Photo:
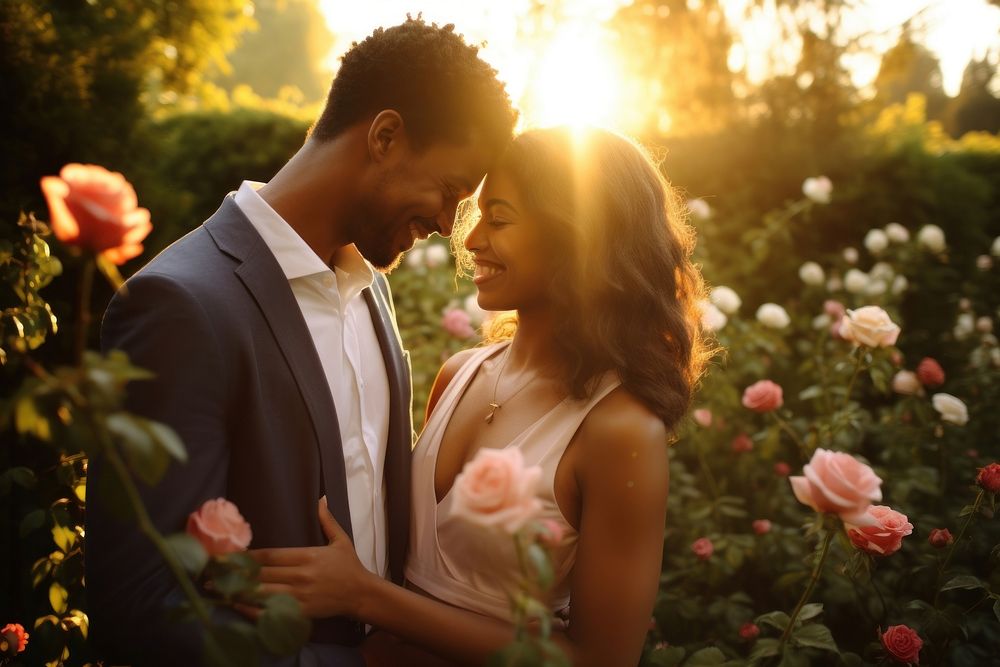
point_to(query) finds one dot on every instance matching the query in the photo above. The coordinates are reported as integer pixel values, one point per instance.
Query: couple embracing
(270, 330)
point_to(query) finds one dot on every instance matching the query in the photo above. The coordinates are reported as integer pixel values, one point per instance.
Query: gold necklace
(494, 406)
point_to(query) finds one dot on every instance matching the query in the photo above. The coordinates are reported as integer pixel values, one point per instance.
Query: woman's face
(512, 264)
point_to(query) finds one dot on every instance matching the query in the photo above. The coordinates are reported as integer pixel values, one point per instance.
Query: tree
(976, 107)
(907, 68)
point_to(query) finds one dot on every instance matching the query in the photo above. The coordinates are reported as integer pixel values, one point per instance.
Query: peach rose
(869, 326)
(907, 383)
(902, 643)
(838, 483)
(458, 323)
(96, 209)
(495, 489)
(220, 527)
(930, 372)
(884, 534)
(703, 548)
(16, 637)
(763, 396)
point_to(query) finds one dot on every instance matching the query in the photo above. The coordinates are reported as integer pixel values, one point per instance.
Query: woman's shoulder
(621, 429)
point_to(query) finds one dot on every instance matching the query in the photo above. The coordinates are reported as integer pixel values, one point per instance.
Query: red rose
(749, 631)
(930, 372)
(782, 469)
(762, 526)
(15, 636)
(220, 527)
(940, 538)
(96, 209)
(702, 548)
(989, 478)
(902, 643)
(763, 396)
(742, 444)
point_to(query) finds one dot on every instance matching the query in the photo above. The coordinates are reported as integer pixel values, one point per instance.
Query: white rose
(855, 281)
(436, 255)
(471, 306)
(876, 241)
(818, 189)
(821, 321)
(995, 248)
(984, 262)
(726, 299)
(415, 258)
(906, 382)
(811, 273)
(984, 325)
(882, 271)
(897, 233)
(932, 238)
(851, 255)
(700, 209)
(834, 284)
(772, 315)
(951, 409)
(876, 287)
(899, 285)
(964, 303)
(712, 318)
(869, 326)
(964, 326)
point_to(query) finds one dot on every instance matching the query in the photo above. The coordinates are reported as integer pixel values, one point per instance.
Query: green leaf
(776, 619)
(28, 420)
(31, 522)
(188, 551)
(235, 645)
(283, 628)
(669, 656)
(964, 581)
(815, 635)
(706, 656)
(23, 477)
(764, 648)
(996, 609)
(145, 456)
(808, 611)
(168, 439)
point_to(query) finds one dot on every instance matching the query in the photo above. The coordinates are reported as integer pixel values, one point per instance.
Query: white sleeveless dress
(473, 567)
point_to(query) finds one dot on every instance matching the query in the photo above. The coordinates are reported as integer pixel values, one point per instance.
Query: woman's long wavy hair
(623, 288)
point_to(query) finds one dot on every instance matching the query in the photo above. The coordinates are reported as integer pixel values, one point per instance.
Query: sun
(575, 81)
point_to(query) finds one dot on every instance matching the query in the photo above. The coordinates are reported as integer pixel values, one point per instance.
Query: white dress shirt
(340, 324)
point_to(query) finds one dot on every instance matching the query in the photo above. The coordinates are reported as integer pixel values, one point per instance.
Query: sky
(955, 30)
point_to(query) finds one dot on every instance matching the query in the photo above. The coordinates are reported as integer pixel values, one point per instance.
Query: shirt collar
(294, 256)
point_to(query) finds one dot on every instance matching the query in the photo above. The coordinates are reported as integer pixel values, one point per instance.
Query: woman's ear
(385, 134)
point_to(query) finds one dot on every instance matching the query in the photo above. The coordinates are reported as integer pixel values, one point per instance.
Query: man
(277, 360)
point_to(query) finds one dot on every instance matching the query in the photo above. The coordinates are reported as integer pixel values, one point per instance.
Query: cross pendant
(489, 417)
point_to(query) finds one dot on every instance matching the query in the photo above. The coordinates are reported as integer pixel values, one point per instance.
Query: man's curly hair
(428, 74)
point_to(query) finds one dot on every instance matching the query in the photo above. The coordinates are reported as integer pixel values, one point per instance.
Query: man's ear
(385, 134)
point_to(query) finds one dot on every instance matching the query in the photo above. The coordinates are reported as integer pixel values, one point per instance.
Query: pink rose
(220, 527)
(782, 469)
(834, 309)
(551, 534)
(16, 637)
(494, 489)
(884, 534)
(742, 444)
(458, 323)
(96, 209)
(749, 631)
(702, 548)
(761, 526)
(869, 326)
(930, 372)
(838, 483)
(703, 417)
(989, 478)
(940, 538)
(763, 396)
(902, 643)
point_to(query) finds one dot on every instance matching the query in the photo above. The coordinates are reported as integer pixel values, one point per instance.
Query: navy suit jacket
(239, 379)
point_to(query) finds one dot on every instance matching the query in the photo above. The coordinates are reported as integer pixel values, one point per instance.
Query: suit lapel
(260, 273)
(400, 436)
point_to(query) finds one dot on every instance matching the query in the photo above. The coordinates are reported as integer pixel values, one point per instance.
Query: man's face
(417, 194)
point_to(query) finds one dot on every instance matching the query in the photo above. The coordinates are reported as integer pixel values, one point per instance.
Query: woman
(577, 235)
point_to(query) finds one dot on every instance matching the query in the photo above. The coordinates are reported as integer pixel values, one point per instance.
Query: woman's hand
(327, 581)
